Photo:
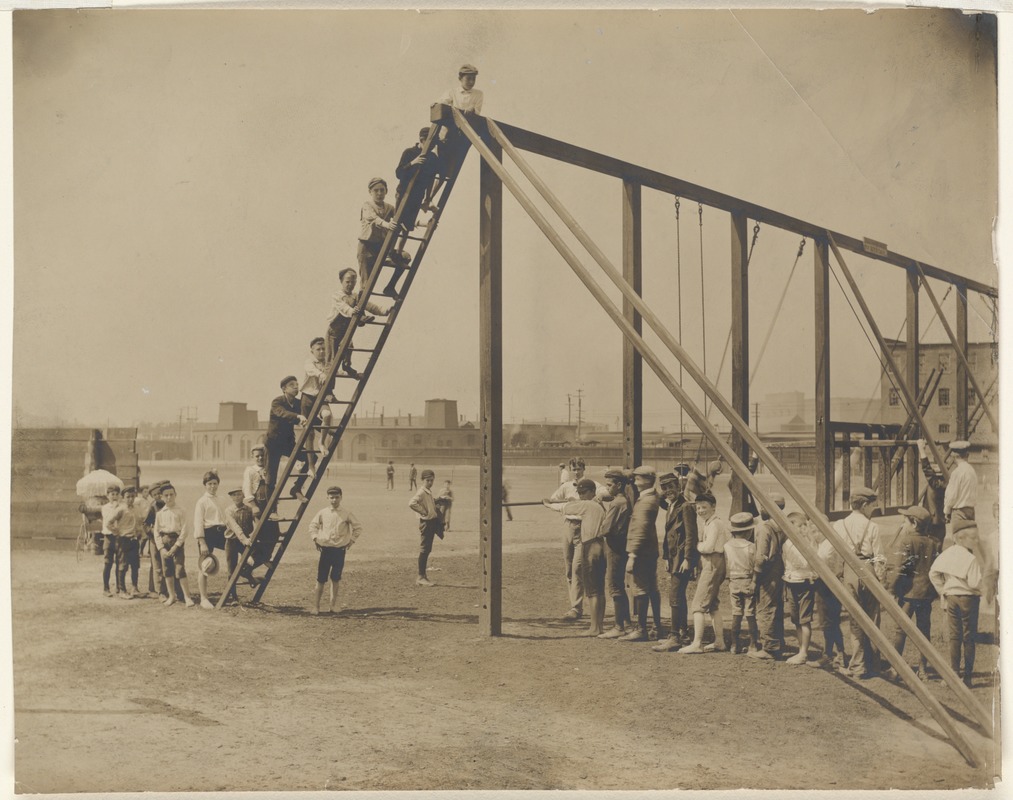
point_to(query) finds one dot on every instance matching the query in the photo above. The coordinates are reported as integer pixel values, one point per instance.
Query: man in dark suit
(680, 554)
(281, 434)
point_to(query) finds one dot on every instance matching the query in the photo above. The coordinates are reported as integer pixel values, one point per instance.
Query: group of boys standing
(610, 534)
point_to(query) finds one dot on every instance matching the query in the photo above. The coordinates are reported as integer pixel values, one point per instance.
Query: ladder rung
(360, 350)
(371, 322)
(415, 238)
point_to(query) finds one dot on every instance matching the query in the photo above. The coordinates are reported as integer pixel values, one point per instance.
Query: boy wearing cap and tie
(714, 533)
(908, 570)
(280, 440)
(862, 534)
(956, 576)
(430, 525)
(962, 487)
(740, 556)
(681, 557)
(208, 529)
(642, 546)
(238, 527)
(615, 530)
(333, 530)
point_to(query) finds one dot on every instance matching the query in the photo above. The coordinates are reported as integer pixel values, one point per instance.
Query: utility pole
(569, 415)
(580, 397)
(756, 416)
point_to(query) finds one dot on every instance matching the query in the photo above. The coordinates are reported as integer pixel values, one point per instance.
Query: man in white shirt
(858, 530)
(962, 487)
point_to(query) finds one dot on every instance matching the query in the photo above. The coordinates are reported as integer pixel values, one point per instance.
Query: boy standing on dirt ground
(238, 527)
(333, 530)
(170, 533)
(956, 575)
(209, 529)
(740, 554)
(390, 476)
(128, 543)
(642, 546)
(430, 523)
(156, 577)
(110, 516)
(413, 474)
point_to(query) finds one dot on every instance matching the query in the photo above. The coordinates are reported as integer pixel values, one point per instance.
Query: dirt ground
(401, 692)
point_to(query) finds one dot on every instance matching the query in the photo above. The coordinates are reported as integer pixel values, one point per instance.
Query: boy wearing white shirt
(209, 529)
(956, 576)
(333, 530)
(170, 535)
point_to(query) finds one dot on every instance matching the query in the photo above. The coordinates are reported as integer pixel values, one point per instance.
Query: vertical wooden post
(490, 267)
(740, 349)
(824, 438)
(960, 384)
(912, 356)
(633, 368)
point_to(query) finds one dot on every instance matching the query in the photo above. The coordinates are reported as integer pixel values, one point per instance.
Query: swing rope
(777, 312)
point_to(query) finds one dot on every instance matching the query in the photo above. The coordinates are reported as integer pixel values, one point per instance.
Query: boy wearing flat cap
(908, 571)
(740, 554)
(465, 97)
(769, 568)
(615, 529)
(286, 414)
(333, 530)
(862, 534)
(238, 528)
(430, 523)
(375, 220)
(642, 546)
(956, 576)
(679, 552)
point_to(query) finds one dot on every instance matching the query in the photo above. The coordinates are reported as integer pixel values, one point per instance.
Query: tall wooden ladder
(279, 517)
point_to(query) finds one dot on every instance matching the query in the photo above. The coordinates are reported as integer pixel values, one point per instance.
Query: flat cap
(743, 521)
(706, 497)
(233, 492)
(333, 490)
(257, 447)
(864, 493)
(468, 69)
(428, 473)
(916, 513)
(646, 471)
(960, 445)
(377, 182)
(668, 477)
(287, 379)
(585, 485)
(617, 475)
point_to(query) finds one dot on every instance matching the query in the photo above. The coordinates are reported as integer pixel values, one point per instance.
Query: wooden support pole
(824, 436)
(767, 459)
(902, 384)
(960, 345)
(490, 305)
(911, 365)
(740, 349)
(633, 367)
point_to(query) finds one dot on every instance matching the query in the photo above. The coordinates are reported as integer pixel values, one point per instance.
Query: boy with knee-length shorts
(110, 518)
(333, 530)
(170, 534)
(128, 542)
(208, 529)
(714, 533)
(740, 555)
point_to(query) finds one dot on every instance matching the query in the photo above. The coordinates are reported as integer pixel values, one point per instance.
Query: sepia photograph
(472, 400)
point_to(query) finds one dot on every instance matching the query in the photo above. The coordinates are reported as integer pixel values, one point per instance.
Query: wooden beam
(490, 306)
(824, 435)
(740, 348)
(651, 179)
(905, 391)
(960, 388)
(911, 366)
(633, 367)
(806, 547)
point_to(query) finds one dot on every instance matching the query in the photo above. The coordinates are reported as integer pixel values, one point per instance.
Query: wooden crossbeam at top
(617, 168)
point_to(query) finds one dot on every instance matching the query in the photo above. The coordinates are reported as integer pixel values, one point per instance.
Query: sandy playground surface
(401, 692)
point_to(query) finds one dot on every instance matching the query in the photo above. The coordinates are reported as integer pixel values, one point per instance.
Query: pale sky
(187, 187)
